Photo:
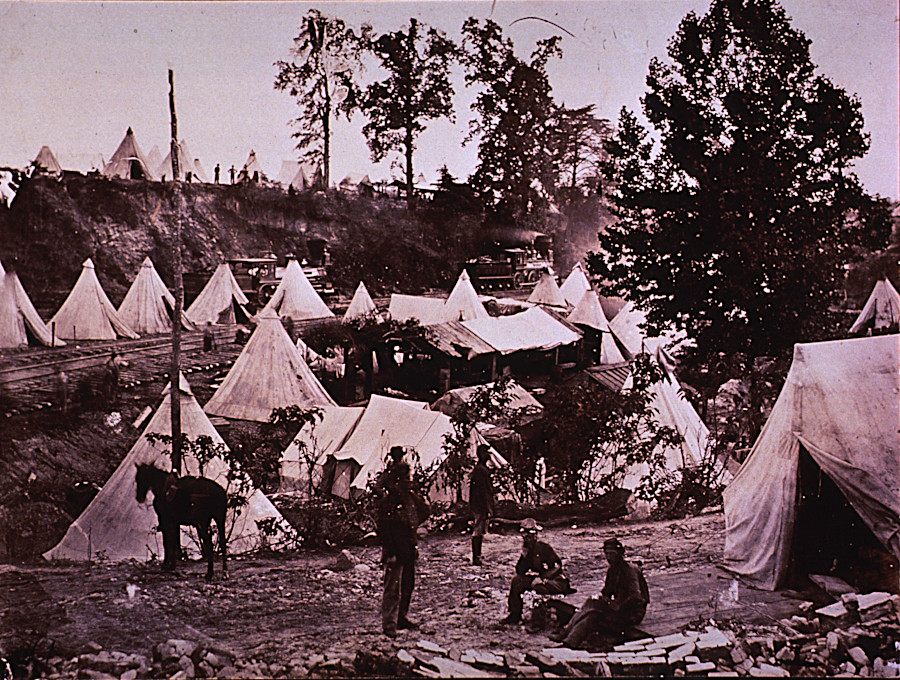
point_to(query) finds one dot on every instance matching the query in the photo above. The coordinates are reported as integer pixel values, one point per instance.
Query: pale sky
(76, 75)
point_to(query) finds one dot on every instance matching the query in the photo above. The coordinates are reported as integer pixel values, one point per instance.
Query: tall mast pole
(175, 370)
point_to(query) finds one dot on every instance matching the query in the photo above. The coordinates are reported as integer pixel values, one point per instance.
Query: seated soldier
(539, 569)
(621, 605)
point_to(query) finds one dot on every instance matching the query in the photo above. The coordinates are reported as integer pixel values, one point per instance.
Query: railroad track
(28, 378)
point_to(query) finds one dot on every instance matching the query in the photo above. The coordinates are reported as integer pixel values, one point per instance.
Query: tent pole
(175, 371)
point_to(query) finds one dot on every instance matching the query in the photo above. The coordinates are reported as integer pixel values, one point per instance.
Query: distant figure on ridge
(216, 172)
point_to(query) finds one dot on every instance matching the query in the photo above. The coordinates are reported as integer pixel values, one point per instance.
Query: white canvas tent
(87, 313)
(148, 306)
(882, 309)
(839, 403)
(533, 329)
(220, 301)
(361, 306)
(268, 374)
(296, 298)
(547, 292)
(463, 303)
(19, 321)
(46, 161)
(425, 310)
(116, 526)
(588, 312)
(251, 168)
(185, 164)
(575, 285)
(128, 161)
(154, 158)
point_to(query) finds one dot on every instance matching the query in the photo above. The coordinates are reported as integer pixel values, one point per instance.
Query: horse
(184, 501)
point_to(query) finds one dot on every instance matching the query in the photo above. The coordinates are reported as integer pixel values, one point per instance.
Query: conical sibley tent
(185, 163)
(252, 170)
(117, 527)
(128, 161)
(46, 161)
(220, 301)
(361, 306)
(296, 298)
(87, 314)
(463, 303)
(882, 309)
(575, 285)
(840, 406)
(19, 322)
(268, 374)
(589, 312)
(547, 292)
(148, 305)
(154, 158)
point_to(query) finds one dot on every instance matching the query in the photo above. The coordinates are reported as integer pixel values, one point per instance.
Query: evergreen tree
(416, 90)
(735, 227)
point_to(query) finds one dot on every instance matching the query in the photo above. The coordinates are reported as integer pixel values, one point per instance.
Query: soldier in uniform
(481, 501)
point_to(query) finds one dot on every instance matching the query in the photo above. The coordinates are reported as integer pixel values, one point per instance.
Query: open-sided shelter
(881, 311)
(20, 324)
(268, 374)
(361, 306)
(128, 161)
(220, 301)
(575, 285)
(296, 298)
(820, 490)
(87, 313)
(117, 527)
(547, 292)
(148, 306)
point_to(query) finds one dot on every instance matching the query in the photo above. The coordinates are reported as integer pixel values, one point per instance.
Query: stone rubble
(865, 644)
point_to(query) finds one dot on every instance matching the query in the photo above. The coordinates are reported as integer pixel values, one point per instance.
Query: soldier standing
(481, 501)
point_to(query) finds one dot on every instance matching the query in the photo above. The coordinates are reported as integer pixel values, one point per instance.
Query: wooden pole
(175, 370)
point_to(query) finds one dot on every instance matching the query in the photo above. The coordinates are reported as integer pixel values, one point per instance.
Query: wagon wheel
(265, 293)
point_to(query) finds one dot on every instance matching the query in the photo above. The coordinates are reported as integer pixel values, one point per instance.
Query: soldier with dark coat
(481, 501)
(400, 511)
(621, 605)
(539, 569)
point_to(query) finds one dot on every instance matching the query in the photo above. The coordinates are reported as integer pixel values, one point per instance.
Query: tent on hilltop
(252, 170)
(20, 324)
(361, 306)
(547, 292)
(154, 158)
(296, 298)
(301, 175)
(128, 161)
(881, 311)
(116, 526)
(820, 490)
(463, 303)
(185, 164)
(268, 374)
(87, 314)
(220, 301)
(148, 305)
(575, 285)
(46, 161)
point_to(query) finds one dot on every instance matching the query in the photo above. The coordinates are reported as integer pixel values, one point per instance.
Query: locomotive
(512, 258)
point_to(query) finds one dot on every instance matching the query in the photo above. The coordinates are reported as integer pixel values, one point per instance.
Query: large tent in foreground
(148, 305)
(20, 324)
(820, 489)
(116, 526)
(881, 311)
(87, 313)
(296, 298)
(220, 301)
(268, 374)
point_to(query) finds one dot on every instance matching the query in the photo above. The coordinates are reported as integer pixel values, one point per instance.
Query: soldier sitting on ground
(539, 569)
(621, 605)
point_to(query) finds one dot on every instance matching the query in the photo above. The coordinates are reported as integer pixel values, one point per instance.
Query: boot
(476, 550)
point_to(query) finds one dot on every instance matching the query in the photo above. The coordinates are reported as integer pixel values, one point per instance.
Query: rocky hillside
(53, 225)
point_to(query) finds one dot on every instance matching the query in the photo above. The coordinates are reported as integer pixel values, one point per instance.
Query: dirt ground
(283, 609)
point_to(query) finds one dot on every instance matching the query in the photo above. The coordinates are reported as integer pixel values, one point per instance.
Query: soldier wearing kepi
(621, 605)
(400, 511)
(539, 569)
(481, 501)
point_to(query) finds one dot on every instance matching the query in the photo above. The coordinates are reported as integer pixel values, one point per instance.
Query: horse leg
(170, 546)
(220, 525)
(203, 530)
